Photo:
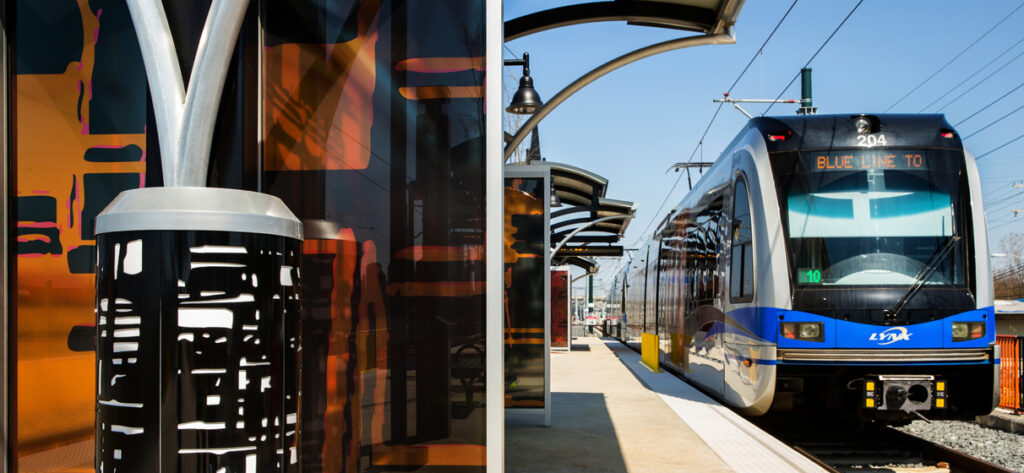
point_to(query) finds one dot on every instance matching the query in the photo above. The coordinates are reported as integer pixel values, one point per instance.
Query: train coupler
(908, 393)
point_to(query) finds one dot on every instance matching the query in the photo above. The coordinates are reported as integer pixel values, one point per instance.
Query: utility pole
(1017, 211)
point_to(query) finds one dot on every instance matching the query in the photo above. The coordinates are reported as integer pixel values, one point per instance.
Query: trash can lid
(198, 209)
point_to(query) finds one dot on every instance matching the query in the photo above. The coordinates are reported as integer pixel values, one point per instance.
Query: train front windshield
(873, 217)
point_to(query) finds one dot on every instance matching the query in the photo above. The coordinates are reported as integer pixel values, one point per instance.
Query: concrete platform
(1003, 419)
(612, 414)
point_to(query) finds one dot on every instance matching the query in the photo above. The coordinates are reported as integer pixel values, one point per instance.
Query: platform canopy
(703, 16)
(580, 201)
(589, 265)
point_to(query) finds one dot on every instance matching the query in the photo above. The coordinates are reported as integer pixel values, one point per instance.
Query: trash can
(197, 306)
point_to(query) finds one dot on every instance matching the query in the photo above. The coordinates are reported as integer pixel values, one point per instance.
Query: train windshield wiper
(940, 254)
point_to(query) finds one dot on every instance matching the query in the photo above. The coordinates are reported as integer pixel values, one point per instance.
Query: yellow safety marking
(869, 386)
(940, 386)
(869, 402)
(940, 402)
(649, 351)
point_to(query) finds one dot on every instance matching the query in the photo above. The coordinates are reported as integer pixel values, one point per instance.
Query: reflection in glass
(80, 134)
(871, 221)
(373, 121)
(525, 271)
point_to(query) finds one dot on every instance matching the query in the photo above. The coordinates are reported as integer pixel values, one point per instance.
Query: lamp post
(526, 100)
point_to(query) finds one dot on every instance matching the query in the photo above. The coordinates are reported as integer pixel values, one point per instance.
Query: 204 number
(871, 140)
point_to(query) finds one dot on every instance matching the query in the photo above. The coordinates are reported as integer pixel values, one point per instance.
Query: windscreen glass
(872, 217)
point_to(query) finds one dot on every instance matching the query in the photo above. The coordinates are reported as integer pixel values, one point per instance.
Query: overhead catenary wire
(997, 148)
(995, 121)
(982, 109)
(784, 89)
(971, 88)
(976, 72)
(961, 53)
(700, 143)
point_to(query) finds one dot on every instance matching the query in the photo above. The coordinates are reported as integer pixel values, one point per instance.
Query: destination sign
(591, 251)
(858, 160)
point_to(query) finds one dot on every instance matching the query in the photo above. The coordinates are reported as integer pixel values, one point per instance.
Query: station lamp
(526, 100)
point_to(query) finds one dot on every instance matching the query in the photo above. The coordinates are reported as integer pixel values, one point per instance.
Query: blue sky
(634, 123)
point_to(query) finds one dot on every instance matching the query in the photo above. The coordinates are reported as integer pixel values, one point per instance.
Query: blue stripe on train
(763, 324)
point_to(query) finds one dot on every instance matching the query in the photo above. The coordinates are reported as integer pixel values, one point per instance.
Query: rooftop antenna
(806, 101)
(689, 165)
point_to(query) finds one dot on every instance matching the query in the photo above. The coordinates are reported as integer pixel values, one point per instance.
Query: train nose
(895, 396)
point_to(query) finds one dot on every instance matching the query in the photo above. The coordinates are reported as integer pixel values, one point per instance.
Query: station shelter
(556, 216)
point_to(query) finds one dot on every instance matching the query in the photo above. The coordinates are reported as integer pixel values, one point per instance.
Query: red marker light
(776, 137)
(947, 134)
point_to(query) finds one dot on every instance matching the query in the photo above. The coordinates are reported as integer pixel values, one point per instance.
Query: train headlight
(804, 331)
(863, 125)
(963, 331)
(810, 331)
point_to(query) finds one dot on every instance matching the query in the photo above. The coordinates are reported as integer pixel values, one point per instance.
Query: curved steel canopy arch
(703, 16)
(605, 68)
(713, 18)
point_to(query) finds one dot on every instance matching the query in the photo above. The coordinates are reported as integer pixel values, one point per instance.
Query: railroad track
(882, 450)
(843, 446)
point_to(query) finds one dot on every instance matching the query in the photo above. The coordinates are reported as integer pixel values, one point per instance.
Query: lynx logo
(890, 336)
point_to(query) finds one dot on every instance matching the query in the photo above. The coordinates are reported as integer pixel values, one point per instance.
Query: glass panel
(80, 124)
(871, 217)
(736, 287)
(524, 292)
(373, 118)
(748, 270)
(742, 261)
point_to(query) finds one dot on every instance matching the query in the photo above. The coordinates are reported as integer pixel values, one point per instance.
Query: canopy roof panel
(581, 197)
(703, 16)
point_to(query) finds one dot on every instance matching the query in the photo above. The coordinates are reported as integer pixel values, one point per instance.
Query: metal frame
(494, 185)
(530, 172)
(6, 446)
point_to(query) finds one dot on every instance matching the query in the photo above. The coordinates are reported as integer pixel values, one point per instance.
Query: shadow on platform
(581, 437)
(667, 385)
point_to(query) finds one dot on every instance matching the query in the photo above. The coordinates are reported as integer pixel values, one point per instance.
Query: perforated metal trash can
(197, 312)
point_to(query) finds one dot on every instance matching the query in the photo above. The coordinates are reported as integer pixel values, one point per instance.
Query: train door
(746, 381)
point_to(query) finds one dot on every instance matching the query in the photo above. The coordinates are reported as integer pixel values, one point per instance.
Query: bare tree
(1008, 280)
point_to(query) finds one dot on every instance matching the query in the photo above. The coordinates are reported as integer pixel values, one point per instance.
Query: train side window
(741, 277)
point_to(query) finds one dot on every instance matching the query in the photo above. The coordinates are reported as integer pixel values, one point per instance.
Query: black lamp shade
(526, 100)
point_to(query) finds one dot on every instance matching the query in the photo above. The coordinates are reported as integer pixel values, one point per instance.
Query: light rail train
(826, 261)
